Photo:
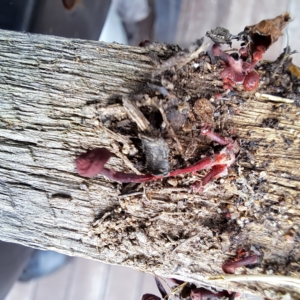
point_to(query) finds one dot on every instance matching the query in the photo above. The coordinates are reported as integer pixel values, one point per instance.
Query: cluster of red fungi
(239, 70)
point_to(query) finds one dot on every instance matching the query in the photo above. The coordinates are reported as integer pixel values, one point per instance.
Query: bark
(59, 97)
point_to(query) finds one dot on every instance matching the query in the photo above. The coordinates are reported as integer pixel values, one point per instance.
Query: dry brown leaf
(267, 32)
(294, 70)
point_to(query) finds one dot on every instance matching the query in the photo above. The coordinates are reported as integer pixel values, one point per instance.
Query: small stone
(247, 203)
(84, 187)
(240, 223)
(289, 238)
(183, 107)
(133, 151)
(231, 208)
(172, 181)
(142, 238)
(125, 150)
(187, 127)
(262, 174)
(208, 66)
(268, 294)
(167, 84)
(235, 215)
(242, 208)
(180, 205)
(257, 203)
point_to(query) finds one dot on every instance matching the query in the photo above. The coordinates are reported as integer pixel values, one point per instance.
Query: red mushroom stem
(230, 266)
(206, 131)
(202, 293)
(92, 162)
(150, 297)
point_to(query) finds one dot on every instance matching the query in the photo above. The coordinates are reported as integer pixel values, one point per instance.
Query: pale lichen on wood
(51, 89)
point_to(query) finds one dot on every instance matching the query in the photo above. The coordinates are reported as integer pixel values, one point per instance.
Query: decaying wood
(135, 114)
(58, 97)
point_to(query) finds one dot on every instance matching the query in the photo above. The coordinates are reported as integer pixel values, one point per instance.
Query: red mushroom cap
(92, 162)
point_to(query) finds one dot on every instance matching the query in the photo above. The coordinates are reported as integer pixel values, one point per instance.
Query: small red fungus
(238, 70)
(244, 53)
(202, 293)
(251, 81)
(215, 172)
(92, 162)
(230, 266)
(150, 297)
(206, 131)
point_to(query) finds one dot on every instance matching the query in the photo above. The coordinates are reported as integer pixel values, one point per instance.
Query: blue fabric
(42, 263)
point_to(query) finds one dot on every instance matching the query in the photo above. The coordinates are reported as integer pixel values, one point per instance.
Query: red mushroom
(92, 162)
(230, 266)
(238, 70)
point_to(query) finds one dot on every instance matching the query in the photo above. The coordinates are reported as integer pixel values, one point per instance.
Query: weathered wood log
(53, 93)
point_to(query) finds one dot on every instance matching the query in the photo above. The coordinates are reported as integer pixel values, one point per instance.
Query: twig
(168, 125)
(109, 134)
(284, 56)
(194, 55)
(172, 190)
(272, 279)
(136, 115)
(125, 159)
(161, 214)
(161, 288)
(99, 221)
(130, 194)
(145, 194)
(184, 243)
(180, 62)
(273, 98)
(178, 288)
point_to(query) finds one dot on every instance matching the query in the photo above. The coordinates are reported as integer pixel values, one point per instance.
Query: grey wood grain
(50, 90)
